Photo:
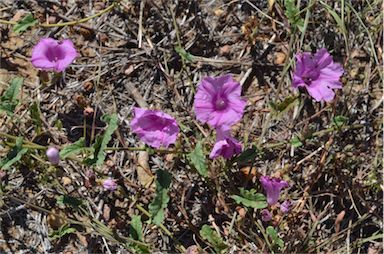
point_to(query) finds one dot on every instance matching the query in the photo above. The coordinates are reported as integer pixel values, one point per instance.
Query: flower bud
(266, 215)
(53, 155)
(109, 184)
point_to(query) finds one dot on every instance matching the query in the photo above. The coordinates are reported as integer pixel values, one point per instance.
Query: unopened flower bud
(53, 155)
(266, 215)
(109, 184)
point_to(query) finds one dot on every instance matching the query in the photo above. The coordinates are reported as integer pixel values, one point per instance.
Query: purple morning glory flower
(286, 206)
(225, 145)
(50, 54)
(272, 187)
(218, 101)
(155, 128)
(318, 74)
(266, 215)
(53, 155)
(109, 184)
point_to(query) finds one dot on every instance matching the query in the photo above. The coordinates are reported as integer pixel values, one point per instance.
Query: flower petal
(320, 91)
(322, 58)
(41, 54)
(155, 128)
(223, 91)
(69, 54)
(225, 146)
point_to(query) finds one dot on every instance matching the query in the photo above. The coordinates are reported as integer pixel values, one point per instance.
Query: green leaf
(295, 142)
(35, 115)
(184, 54)
(136, 228)
(62, 231)
(68, 200)
(293, 15)
(276, 240)
(74, 148)
(14, 155)
(25, 23)
(207, 233)
(250, 198)
(339, 121)
(9, 101)
(102, 141)
(197, 158)
(160, 202)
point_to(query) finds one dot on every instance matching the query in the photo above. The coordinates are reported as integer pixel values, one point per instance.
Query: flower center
(55, 54)
(307, 80)
(310, 76)
(220, 103)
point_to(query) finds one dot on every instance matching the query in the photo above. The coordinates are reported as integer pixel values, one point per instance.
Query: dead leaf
(66, 180)
(225, 50)
(55, 219)
(82, 239)
(218, 12)
(270, 4)
(338, 220)
(241, 211)
(143, 170)
(19, 14)
(279, 58)
(249, 172)
(129, 70)
(106, 212)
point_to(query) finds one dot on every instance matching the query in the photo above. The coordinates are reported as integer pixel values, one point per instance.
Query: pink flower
(218, 101)
(155, 128)
(225, 145)
(109, 184)
(272, 187)
(50, 54)
(266, 215)
(318, 74)
(286, 206)
(53, 155)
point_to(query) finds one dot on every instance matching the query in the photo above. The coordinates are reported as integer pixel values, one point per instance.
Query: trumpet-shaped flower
(218, 101)
(50, 54)
(272, 187)
(155, 128)
(225, 145)
(318, 74)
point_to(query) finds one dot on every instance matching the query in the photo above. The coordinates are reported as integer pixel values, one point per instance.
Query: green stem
(146, 213)
(262, 230)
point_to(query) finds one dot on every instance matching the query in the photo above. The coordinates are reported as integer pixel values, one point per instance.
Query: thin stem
(72, 23)
(2, 21)
(69, 23)
(29, 146)
(262, 230)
